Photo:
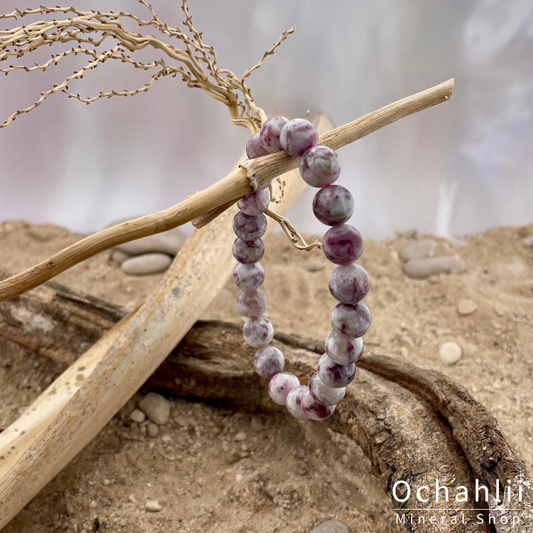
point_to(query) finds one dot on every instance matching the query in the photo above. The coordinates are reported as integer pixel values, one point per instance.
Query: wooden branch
(414, 425)
(71, 412)
(248, 176)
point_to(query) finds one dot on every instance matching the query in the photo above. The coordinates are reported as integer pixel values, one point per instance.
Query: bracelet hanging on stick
(248, 177)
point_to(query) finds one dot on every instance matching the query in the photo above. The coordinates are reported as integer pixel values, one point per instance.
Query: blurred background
(460, 167)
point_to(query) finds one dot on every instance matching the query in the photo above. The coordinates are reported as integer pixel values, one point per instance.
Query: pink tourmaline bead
(342, 244)
(247, 252)
(249, 277)
(270, 133)
(294, 402)
(334, 375)
(268, 361)
(249, 228)
(320, 166)
(324, 394)
(315, 410)
(349, 284)
(342, 350)
(280, 385)
(298, 136)
(254, 148)
(258, 331)
(333, 205)
(251, 303)
(255, 203)
(351, 320)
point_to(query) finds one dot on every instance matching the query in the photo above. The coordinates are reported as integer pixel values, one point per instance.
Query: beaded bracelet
(348, 283)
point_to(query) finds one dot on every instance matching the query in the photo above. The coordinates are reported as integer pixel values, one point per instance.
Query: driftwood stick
(71, 412)
(245, 178)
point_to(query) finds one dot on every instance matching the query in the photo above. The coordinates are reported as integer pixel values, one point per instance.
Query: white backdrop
(460, 167)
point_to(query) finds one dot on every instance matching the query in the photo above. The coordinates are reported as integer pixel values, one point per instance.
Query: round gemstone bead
(325, 394)
(349, 284)
(254, 203)
(351, 320)
(247, 252)
(258, 331)
(270, 133)
(294, 402)
(333, 375)
(249, 277)
(320, 166)
(298, 136)
(333, 205)
(280, 385)
(342, 350)
(249, 228)
(251, 303)
(315, 410)
(342, 244)
(268, 361)
(254, 148)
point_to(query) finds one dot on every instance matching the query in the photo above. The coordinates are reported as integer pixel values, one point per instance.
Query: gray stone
(156, 408)
(313, 265)
(450, 353)
(431, 266)
(418, 249)
(153, 430)
(331, 526)
(152, 506)
(142, 265)
(168, 242)
(138, 416)
(118, 257)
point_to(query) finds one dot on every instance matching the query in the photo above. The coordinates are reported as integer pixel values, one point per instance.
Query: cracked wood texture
(414, 425)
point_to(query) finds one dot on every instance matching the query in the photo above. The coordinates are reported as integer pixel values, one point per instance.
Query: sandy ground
(284, 476)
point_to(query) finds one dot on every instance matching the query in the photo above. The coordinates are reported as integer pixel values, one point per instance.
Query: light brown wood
(248, 176)
(68, 415)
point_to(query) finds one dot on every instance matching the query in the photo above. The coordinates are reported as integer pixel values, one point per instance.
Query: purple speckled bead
(342, 244)
(270, 133)
(280, 385)
(334, 375)
(298, 136)
(254, 148)
(333, 205)
(324, 394)
(351, 320)
(294, 402)
(349, 284)
(315, 410)
(249, 228)
(247, 252)
(268, 361)
(320, 166)
(258, 331)
(251, 303)
(249, 277)
(254, 203)
(343, 350)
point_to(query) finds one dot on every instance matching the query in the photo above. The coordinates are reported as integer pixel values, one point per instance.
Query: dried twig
(196, 63)
(248, 176)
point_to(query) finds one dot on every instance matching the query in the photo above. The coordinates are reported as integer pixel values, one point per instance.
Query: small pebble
(168, 242)
(418, 249)
(331, 526)
(93, 505)
(238, 478)
(117, 256)
(240, 437)
(156, 408)
(167, 439)
(313, 265)
(146, 264)
(450, 353)
(152, 430)
(466, 307)
(431, 266)
(138, 416)
(152, 506)
(106, 482)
